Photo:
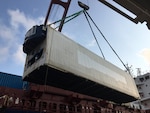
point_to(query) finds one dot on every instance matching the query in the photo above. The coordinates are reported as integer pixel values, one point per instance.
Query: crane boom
(140, 8)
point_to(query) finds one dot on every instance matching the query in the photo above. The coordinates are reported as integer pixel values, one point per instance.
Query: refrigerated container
(61, 62)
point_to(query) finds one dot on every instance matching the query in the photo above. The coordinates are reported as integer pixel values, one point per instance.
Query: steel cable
(94, 35)
(106, 40)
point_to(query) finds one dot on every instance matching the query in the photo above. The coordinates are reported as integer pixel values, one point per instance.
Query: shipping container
(10, 80)
(59, 61)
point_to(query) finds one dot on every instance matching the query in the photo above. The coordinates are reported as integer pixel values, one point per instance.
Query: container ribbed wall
(10, 80)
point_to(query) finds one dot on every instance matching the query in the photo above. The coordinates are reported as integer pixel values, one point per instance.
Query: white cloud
(145, 53)
(5, 33)
(92, 43)
(19, 56)
(7, 41)
(10, 38)
(18, 18)
(3, 54)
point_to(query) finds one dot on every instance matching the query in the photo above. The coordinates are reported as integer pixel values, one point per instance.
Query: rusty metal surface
(47, 99)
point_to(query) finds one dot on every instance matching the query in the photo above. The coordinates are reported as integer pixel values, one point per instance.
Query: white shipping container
(65, 64)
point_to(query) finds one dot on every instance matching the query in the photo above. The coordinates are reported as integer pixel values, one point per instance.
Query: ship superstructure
(143, 85)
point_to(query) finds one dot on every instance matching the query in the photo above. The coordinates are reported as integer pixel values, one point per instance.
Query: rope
(73, 16)
(94, 35)
(107, 41)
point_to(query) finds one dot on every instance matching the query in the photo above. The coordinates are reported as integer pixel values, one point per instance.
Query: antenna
(138, 71)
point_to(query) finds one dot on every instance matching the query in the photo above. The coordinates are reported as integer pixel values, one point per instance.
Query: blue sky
(131, 41)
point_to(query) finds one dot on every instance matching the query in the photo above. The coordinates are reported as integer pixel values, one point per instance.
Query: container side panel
(12, 81)
(66, 55)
